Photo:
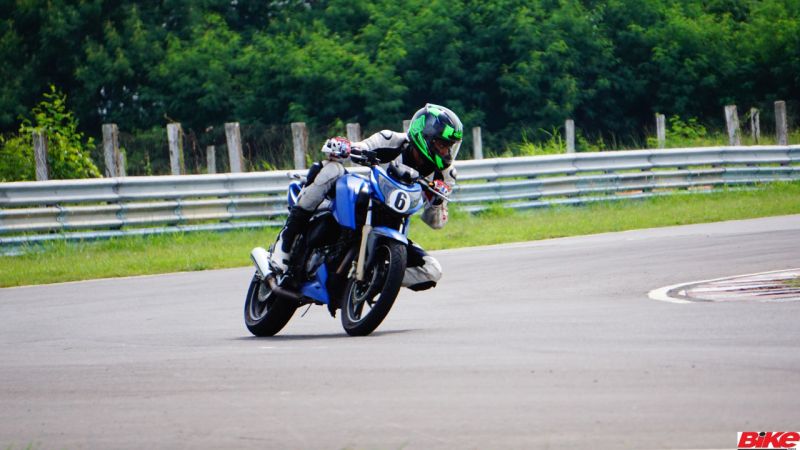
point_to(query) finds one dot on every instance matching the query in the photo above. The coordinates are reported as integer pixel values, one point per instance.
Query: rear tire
(265, 313)
(377, 292)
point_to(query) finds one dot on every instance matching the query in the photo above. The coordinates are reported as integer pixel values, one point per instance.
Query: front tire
(366, 303)
(266, 313)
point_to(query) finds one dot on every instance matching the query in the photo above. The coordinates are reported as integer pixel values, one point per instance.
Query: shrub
(68, 155)
(16, 159)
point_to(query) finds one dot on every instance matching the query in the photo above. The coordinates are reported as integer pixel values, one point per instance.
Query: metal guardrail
(118, 206)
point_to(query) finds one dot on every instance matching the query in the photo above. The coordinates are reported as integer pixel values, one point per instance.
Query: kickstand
(304, 312)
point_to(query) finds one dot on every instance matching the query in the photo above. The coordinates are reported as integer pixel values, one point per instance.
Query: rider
(430, 146)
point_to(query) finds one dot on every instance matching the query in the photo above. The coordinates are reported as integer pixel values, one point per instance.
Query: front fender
(379, 234)
(388, 233)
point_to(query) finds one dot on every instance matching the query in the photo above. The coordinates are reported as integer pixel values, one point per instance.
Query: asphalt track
(550, 344)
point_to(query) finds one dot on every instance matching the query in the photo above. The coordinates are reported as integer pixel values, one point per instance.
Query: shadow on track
(311, 337)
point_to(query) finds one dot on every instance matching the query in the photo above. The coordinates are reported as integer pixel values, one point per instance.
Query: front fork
(362, 250)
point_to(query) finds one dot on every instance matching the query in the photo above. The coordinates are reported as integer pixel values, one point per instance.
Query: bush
(16, 159)
(68, 156)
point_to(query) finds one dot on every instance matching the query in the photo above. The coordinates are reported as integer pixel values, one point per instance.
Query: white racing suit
(423, 271)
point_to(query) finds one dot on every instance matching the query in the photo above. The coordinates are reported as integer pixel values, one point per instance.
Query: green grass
(61, 261)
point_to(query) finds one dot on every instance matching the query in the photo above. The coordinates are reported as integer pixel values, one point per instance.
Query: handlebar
(364, 157)
(369, 158)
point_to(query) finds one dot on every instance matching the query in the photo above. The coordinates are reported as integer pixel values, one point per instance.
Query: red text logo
(768, 439)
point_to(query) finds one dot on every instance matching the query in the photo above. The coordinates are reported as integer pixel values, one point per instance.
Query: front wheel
(265, 313)
(366, 303)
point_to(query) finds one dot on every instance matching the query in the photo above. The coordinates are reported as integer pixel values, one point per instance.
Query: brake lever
(364, 157)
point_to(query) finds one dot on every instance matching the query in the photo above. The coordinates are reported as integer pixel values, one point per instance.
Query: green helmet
(435, 134)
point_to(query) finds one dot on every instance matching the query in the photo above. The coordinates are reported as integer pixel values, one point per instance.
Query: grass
(62, 261)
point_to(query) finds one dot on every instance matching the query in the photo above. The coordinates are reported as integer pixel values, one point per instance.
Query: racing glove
(337, 148)
(440, 187)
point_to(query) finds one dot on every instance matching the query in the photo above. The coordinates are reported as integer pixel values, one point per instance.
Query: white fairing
(260, 258)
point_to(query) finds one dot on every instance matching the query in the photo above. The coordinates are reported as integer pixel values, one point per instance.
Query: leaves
(68, 154)
(514, 67)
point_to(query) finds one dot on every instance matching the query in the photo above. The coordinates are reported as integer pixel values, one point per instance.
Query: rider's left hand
(337, 148)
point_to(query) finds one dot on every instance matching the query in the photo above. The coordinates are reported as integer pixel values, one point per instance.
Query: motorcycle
(352, 255)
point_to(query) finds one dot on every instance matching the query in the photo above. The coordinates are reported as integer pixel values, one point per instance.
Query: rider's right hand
(441, 188)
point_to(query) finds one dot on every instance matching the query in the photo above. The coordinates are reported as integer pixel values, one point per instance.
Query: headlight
(399, 199)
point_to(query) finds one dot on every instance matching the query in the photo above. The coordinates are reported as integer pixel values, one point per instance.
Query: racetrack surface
(536, 345)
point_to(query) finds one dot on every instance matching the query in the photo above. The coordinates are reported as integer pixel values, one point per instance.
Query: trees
(510, 66)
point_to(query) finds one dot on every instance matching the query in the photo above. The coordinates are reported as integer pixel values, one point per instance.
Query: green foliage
(68, 155)
(16, 159)
(512, 67)
(681, 134)
(552, 145)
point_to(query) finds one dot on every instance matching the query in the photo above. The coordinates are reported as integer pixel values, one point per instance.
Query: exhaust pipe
(282, 292)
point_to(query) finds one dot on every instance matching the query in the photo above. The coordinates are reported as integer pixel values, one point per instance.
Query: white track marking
(662, 294)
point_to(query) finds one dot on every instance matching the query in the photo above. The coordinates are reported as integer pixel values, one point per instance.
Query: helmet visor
(447, 150)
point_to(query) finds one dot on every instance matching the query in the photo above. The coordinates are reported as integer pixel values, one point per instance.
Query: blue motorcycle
(352, 255)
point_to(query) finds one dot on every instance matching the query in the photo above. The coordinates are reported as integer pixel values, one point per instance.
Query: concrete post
(732, 121)
(300, 144)
(115, 163)
(661, 130)
(477, 143)
(211, 159)
(755, 125)
(40, 155)
(175, 140)
(569, 127)
(353, 132)
(233, 136)
(781, 127)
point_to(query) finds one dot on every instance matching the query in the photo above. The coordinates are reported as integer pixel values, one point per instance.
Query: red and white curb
(774, 286)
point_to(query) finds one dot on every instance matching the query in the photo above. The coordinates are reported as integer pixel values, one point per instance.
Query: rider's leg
(422, 269)
(319, 182)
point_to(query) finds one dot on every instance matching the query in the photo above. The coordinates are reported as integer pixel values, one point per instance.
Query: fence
(115, 158)
(37, 211)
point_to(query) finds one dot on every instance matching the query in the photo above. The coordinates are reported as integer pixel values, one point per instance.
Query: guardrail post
(477, 143)
(233, 136)
(732, 121)
(569, 126)
(300, 144)
(661, 130)
(406, 125)
(211, 159)
(353, 132)
(781, 128)
(755, 125)
(40, 155)
(175, 139)
(115, 162)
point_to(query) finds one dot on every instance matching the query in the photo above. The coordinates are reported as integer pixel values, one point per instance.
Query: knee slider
(432, 268)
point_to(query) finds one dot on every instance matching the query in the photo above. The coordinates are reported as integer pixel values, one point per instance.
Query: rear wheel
(366, 303)
(265, 313)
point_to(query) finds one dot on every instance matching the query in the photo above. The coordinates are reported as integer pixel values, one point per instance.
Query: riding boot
(296, 223)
